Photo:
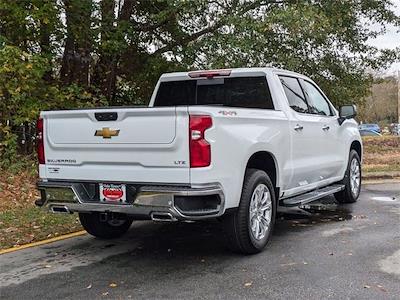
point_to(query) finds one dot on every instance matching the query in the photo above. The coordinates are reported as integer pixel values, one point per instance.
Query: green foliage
(24, 93)
(28, 23)
(71, 53)
(325, 40)
(21, 89)
(21, 85)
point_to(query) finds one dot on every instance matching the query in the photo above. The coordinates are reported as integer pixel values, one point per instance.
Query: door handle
(298, 127)
(325, 127)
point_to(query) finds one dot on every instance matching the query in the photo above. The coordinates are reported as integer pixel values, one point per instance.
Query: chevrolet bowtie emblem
(107, 133)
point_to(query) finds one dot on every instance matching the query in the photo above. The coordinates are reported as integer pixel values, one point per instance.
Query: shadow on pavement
(206, 238)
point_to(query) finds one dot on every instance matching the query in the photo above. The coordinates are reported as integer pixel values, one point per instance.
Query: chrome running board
(311, 196)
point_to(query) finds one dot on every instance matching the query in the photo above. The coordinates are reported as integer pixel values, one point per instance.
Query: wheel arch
(356, 145)
(265, 161)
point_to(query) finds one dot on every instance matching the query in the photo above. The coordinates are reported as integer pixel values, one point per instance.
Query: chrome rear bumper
(160, 203)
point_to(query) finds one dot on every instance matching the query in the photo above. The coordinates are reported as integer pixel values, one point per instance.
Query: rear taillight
(200, 149)
(39, 141)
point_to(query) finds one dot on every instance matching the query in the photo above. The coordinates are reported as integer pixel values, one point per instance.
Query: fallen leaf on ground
(381, 288)
(359, 217)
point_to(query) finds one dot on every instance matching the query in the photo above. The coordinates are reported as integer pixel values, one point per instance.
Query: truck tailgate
(132, 145)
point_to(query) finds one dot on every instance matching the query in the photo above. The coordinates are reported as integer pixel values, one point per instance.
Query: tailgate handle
(106, 116)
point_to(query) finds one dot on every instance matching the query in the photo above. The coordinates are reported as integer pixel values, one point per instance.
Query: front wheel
(249, 228)
(351, 180)
(105, 228)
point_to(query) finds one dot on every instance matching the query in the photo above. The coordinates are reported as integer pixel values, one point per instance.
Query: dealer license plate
(112, 192)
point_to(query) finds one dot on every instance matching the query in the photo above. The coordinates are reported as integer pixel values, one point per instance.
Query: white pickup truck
(228, 144)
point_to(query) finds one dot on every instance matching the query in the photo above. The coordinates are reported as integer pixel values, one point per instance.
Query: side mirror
(346, 112)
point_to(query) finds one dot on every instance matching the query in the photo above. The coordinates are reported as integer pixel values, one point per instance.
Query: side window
(251, 92)
(294, 94)
(317, 102)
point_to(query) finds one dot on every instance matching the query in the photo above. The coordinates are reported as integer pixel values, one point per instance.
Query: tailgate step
(312, 196)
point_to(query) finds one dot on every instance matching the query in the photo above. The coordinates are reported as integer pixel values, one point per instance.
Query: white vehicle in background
(395, 129)
(229, 144)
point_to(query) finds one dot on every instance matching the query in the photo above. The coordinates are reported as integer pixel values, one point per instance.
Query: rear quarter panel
(236, 134)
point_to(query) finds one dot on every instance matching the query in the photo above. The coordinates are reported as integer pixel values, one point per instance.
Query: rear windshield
(247, 92)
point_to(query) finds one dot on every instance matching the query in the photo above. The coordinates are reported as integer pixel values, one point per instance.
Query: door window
(316, 101)
(294, 94)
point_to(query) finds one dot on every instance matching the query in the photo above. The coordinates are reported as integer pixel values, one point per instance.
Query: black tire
(237, 225)
(347, 196)
(105, 229)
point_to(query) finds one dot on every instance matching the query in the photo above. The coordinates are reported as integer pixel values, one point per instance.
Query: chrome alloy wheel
(260, 211)
(355, 177)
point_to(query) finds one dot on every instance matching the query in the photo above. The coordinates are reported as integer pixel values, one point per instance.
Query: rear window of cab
(246, 92)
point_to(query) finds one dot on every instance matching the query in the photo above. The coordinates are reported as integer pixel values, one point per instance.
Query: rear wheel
(249, 228)
(351, 180)
(105, 227)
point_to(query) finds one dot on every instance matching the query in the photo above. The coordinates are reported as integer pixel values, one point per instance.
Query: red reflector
(209, 74)
(200, 149)
(39, 141)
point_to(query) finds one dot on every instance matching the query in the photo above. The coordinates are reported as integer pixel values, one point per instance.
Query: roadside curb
(44, 242)
(372, 181)
(381, 175)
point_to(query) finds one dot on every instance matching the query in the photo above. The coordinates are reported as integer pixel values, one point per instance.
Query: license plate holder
(112, 193)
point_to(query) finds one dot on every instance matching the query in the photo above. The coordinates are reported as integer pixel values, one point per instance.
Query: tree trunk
(44, 41)
(106, 70)
(76, 59)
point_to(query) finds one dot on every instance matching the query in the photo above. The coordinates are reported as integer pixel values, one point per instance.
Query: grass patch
(381, 154)
(29, 224)
(21, 221)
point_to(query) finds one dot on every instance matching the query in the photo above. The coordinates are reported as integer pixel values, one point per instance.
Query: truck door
(327, 134)
(306, 134)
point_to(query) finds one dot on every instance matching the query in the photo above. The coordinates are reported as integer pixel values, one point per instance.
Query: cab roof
(234, 72)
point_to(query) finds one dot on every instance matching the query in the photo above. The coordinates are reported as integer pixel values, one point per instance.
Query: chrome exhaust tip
(60, 209)
(163, 217)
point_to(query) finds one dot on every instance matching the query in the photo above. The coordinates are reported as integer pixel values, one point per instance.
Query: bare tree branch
(215, 26)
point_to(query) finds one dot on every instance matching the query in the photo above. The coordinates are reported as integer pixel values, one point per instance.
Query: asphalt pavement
(325, 251)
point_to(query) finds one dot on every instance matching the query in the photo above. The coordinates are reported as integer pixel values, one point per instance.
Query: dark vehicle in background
(366, 132)
(373, 127)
